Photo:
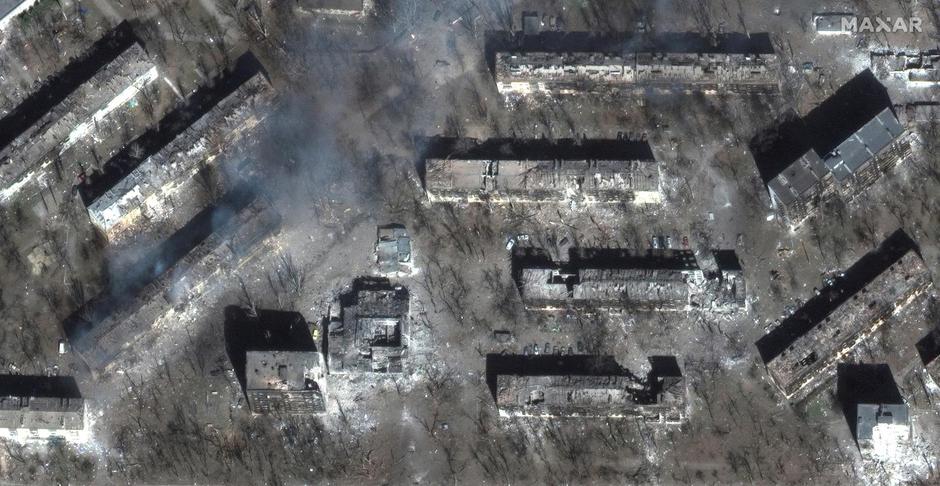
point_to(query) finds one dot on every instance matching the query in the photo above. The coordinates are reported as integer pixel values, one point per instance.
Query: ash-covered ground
(341, 155)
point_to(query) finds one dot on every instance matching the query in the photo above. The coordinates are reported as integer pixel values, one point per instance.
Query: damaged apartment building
(367, 328)
(803, 351)
(276, 360)
(175, 258)
(539, 170)
(584, 63)
(839, 149)
(172, 273)
(81, 114)
(586, 386)
(40, 407)
(175, 178)
(915, 68)
(617, 279)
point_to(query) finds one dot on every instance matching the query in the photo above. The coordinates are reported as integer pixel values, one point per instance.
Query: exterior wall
(547, 73)
(543, 181)
(42, 418)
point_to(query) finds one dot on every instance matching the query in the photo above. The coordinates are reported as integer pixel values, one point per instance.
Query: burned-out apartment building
(276, 360)
(838, 150)
(620, 279)
(367, 329)
(40, 407)
(173, 183)
(586, 386)
(186, 247)
(80, 115)
(803, 351)
(580, 63)
(172, 273)
(539, 170)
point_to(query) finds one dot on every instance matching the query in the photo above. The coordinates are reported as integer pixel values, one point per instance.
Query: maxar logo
(879, 24)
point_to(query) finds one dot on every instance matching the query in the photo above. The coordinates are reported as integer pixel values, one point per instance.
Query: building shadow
(928, 348)
(864, 383)
(822, 129)
(856, 277)
(39, 386)
(266, 330)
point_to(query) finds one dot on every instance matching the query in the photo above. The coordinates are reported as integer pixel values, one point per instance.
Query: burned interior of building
(367, 328)
(654, 279)
(803, 351)
(586, 386)
(571, 63)
(533, 171)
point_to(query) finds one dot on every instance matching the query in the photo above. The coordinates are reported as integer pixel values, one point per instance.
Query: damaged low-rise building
(367, 330)
(881, 428)
(541, 171)
(582, 64)
(40, 407)
(803, 352)
(662, 280)
(917, 68)
(726, 289)
(586, 386)
(169, 187)
(393, 250)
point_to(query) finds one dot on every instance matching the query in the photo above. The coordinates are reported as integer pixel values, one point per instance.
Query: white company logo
(860, 25)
